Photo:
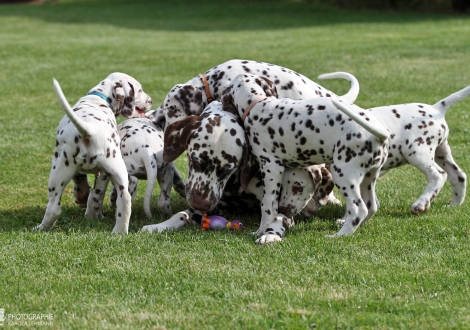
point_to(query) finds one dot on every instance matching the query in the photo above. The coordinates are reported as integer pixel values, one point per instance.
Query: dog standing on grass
(88, 142)
(285, 133)
(142, 151)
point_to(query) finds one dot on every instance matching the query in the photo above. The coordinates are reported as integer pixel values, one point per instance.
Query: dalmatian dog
(88, 142)
(286, 133)
(142, 151)
(418, 136)
(216, 147)
(192, 97)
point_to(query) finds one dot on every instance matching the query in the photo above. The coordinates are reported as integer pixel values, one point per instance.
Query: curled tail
(363, 118)
(446, 103)
(350, 96)
(83, 127)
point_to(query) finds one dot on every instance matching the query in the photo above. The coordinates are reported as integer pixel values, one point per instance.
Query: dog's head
(305, 188)
(126, 95)
(182, 101)
(243, 90)
(215, 143)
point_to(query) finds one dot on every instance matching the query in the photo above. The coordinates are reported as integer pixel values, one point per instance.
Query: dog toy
(218, 222)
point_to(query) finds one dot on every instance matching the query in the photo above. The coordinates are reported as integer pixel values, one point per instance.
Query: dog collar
(107, 99)
(252, 104)
(206, 87)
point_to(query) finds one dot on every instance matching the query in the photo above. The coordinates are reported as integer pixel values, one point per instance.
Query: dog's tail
(364, 118)
(446, 103)
(83, 127)
(350, 96)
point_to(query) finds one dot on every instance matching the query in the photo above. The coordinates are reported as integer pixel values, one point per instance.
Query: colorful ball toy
(218, 222)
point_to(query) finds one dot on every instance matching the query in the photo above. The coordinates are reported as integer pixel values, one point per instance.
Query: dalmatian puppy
(286, 133)
(418, 136)
(142, 151)
(88, 142)
(216, 148)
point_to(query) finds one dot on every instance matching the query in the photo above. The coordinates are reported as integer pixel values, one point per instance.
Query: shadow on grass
(71, 218)
(206, 15)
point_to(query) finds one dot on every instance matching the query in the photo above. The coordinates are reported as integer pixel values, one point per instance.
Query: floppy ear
(249, 168)
(177, 137)
(157, 117)
(268, 86)
(227, 103)
(190, 97)
(128, 107)
(323, 183)
(124, 100)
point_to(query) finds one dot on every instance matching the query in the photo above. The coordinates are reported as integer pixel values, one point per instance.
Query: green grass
(397, 272)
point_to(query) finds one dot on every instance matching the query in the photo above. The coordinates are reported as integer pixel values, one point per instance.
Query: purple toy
(218, 222)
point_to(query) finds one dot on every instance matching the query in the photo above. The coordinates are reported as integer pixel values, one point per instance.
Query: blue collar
(107, 99)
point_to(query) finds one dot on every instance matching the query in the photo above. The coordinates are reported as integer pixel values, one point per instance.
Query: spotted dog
(418, 136)
(216, 148)
(286, 133)
(192, 97)
(88, 142)
(142, 151)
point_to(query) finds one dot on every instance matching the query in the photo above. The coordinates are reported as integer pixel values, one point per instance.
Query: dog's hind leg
(81, 189)
(118, 174)
(455, 175)
(94, 208)
(356, 210)
(368, 193)
(58, 180)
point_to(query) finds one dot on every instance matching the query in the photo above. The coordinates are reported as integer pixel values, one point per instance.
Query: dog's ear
(227, 103)
(269, 87)
(249, 168)
(190, 98)
(323, 183)
(124, 99)
(157, 117)
(177, 137)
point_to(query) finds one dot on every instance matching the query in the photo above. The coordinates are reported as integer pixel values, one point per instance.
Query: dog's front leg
(276, 230)
(175, 222)
(165, 181)
(435, 176)
(272, 179)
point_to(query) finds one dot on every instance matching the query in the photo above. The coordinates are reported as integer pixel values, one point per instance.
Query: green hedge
(446, 6)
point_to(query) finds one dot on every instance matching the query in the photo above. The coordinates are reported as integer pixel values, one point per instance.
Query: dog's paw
(119, 230)
(39, 227)
(340, 222)
(268, 238)
(151, 229)
(94, 215)
(419, 207)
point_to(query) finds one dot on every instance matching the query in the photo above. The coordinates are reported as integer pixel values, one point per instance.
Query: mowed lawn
(399, 271)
